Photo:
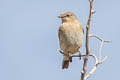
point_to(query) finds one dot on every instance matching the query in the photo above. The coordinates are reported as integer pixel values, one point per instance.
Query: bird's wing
(82, 28)
(60, 33)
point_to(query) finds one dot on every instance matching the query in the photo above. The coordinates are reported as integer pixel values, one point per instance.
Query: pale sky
(29, 45)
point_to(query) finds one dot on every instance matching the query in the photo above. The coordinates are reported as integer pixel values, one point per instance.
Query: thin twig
(93, 35)
(87, 41)
(102, 42)
(97, 62)
(100, 50)
(95, 66)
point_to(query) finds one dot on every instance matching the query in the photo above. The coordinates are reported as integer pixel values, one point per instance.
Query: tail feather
(65, 64)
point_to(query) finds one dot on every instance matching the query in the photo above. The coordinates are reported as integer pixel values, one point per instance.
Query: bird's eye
(67, 15)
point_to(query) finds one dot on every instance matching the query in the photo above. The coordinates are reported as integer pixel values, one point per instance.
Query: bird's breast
(72, 37)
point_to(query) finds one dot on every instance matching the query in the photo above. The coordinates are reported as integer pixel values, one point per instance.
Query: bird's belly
(72, 42)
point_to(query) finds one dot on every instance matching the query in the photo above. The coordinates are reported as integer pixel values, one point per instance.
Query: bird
(70, 35)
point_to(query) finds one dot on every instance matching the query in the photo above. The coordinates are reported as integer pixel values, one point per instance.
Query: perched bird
(70, 36)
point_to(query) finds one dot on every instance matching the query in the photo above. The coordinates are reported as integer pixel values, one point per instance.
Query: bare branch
(95, 66)
(87, 40)
(100, 50)
(96, 36)
(102, 42)
(97, 62)
(105, 57)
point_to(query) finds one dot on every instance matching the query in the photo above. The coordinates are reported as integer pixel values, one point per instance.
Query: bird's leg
(79, 54)
(70, 56)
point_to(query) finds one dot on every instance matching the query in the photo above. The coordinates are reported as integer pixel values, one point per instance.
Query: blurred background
(29, 45)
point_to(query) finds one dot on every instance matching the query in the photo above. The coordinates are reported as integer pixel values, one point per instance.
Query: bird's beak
(59, 17)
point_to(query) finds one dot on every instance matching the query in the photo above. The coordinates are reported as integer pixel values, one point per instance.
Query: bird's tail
(65, 62)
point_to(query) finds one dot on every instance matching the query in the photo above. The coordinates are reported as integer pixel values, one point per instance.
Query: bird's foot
(80, 55)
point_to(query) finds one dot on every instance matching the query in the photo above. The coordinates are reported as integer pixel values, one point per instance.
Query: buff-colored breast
(71, 37)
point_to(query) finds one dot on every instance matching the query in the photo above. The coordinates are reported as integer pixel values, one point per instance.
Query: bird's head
(67, 17)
